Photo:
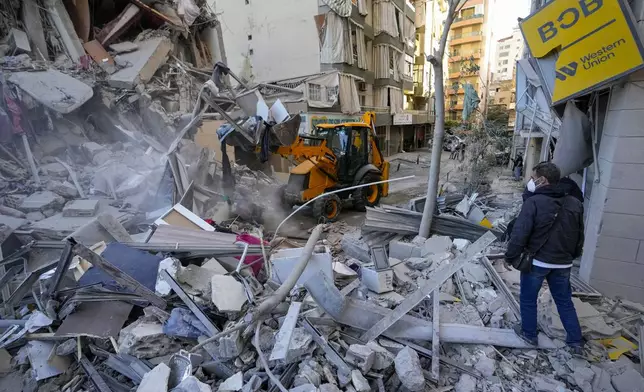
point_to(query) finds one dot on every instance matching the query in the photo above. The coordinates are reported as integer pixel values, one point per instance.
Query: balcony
(419, 89)
(457, 56)
(455, 74)
(474, 36)
(468, 20)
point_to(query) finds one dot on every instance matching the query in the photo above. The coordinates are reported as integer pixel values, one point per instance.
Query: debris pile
(134, 256)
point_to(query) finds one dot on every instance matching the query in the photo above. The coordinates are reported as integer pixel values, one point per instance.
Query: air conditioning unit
(362, 86)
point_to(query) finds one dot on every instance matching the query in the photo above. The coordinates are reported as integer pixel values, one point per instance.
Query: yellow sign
(596, 40)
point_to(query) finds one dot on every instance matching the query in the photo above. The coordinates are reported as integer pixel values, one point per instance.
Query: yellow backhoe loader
(334, 157)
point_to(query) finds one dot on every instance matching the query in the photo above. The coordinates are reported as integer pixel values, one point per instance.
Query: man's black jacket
(563, 241)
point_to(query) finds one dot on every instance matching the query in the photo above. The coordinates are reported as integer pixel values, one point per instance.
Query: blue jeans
(559, 284)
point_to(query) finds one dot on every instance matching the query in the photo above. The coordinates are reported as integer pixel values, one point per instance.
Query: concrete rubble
(120, 224)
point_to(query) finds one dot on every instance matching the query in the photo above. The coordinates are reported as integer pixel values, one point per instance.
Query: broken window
(315, 92)
(332, 94)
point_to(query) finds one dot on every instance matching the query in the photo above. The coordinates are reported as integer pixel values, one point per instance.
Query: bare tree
(436, 60)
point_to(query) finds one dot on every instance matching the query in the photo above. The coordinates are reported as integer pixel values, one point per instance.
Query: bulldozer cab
(350, 145)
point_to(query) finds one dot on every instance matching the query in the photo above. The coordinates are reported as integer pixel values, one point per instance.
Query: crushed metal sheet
(99, 319)
(45, 364)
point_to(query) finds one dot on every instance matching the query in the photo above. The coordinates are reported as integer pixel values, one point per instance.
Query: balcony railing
(468, 17)
(376, 109)
(467, 35)
(466, 55)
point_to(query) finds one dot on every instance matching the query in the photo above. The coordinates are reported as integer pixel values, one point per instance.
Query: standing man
(550, 232)
(517, 166)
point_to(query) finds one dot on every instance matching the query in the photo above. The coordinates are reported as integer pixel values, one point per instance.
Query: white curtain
(362, 48)
(342, 7)
(362, 7)
(380, 97)
(399, 64)
(349, 100)
(409, 32)
(381, 61)
(384, 18)
(348, 42)
(334, 47)
(396, 100)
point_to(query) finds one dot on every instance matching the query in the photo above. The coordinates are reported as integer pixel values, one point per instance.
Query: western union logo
(596, 42)
(568, 70)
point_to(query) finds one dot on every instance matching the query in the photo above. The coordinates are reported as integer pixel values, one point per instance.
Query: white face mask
(531, 186)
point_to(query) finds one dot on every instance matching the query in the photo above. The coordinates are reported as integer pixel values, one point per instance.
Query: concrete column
(613, 259)
(388, 139)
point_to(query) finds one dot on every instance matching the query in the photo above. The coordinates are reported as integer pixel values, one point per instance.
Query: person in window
(517, 166)
(550, 227)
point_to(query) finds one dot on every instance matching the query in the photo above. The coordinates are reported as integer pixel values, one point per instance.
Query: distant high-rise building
(468, 54)
(508, 51)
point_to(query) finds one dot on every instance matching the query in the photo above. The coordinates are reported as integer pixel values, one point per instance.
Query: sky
(505, 14)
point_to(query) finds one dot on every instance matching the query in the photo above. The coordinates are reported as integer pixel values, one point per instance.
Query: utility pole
(439, 125)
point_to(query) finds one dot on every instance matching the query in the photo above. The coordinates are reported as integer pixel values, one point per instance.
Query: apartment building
(468, 53)
(430, 21)
(508, 52)
(370, 44)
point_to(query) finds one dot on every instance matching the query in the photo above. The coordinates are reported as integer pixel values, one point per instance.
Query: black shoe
(519, 331)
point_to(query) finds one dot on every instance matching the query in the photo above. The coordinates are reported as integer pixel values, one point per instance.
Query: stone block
(35, 216)
(466, 383)
(14, 200)
(156, 380)
(403, 250)
(54, 169)
(228, 294)
(144, 62)
(360, 356)
(199, 278)
(409, 371)
(124, 47)
(41, 201)
(232, 384)
(4, 210)
(378, 281)
(80, 208)
(18, 41)
(92, 148)
(354, 247)
(383, 358)
(231, 346)
(436, 245)
(614, 248)
(214, 265)
(359, 382)
(623, 226)
(391, 346)
(631, 274)
(624, 201)
(64, 189)
(300, 345)
(145, 339)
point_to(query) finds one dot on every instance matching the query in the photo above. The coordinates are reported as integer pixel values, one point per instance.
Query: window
(505, 62)
(504, 70)
(315, 92)
(506, 47)
(251, 51)
(247, 2)
(332, 93)
(250, 37)
(504, 54)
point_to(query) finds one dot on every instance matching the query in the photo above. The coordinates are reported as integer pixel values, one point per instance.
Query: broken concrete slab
(283, 337)
(359, 382)
(360, 356)
(31, 17)
(232, 384)
(192, 384)
(466, 383)
(64, 189)
(18, 41)
(199, 278)
(435, 245)
(284, 260)
(86, 230)
(41, 201)
(228, 294)
(383, 358)
(80, 208)
(61, 21)
(409, 370)
(215, 266)
(54, 169)
(156, 380)
(629, 381)
(404, 250)
(124, 47)
(54, 89)
(145, 339)
(144, 63)
(4, 210)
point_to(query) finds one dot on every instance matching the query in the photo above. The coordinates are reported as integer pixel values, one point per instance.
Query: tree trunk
(439, 125)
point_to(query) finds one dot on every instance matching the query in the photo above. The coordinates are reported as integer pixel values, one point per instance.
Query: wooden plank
(100, 56)
(119, 276)
(436, 279)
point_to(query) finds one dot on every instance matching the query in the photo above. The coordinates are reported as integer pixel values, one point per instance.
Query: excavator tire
(327, 209)
(367, 196)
